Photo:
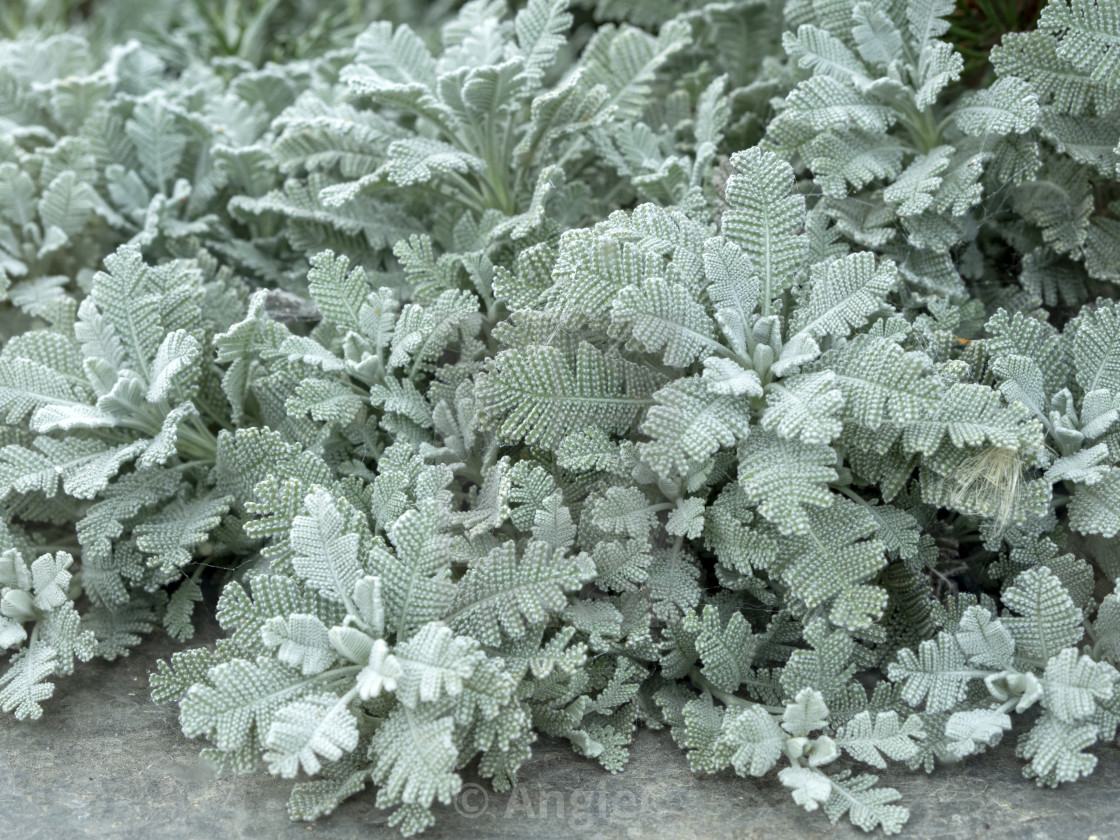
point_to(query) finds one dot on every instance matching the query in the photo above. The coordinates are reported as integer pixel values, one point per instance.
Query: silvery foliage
(522, 392)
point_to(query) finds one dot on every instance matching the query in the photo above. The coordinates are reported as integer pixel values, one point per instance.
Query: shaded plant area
(975, 26)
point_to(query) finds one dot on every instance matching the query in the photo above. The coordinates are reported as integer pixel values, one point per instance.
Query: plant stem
(726, 697)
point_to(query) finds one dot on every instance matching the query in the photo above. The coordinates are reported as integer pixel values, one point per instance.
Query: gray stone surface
(105, 762)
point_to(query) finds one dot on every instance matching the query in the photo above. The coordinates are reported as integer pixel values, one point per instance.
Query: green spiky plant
(525, 373)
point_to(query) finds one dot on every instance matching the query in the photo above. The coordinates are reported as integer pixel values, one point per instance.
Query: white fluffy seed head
(989, 483)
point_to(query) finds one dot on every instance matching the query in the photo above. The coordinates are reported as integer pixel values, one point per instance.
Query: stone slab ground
(106, 762)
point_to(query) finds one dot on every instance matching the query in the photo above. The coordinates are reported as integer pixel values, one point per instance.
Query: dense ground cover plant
(736, 368)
